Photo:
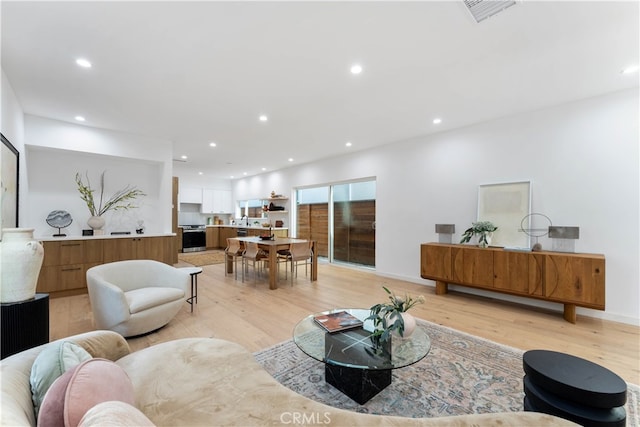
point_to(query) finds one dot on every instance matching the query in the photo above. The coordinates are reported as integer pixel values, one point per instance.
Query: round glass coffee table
(355, 363)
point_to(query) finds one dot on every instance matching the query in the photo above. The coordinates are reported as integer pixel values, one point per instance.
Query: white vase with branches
(121, 199)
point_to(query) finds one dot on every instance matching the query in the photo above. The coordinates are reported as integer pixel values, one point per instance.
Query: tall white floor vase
(21, 259)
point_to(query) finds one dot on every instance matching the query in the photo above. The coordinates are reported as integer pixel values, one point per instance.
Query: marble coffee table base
(359, 384)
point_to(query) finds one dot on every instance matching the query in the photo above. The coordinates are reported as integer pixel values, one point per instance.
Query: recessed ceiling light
(199, 173)
(631, 69)
(80, 118)
(83, 63)
(244, 173)
(437, 121)
(290, 159)
(212, 144)
(183, 157)
(263, 118)
(356, 69)
(264, 169)
(348, 144)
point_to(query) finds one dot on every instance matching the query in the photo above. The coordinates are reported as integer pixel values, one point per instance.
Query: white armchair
(137, 296)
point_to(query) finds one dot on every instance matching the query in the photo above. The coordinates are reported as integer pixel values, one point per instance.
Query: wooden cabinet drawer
(155, 248)
(478, 267)
(518, 272)
(61, 278)
(62, 253)
(213, 237)
(575, 279)
(118, 250)
(472, 267)
(436, 262)
(93, 251)
(72, 252)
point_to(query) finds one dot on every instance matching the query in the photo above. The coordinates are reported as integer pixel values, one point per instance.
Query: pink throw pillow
(92, 382)
(51, 412)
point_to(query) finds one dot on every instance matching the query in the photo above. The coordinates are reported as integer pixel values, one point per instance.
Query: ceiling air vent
(483, 9)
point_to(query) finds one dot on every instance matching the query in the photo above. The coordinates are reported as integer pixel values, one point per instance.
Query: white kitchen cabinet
(190, 195)
(222, 198)
(216, 201)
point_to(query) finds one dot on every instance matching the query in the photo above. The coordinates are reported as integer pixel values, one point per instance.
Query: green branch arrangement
(121, 199)
(383, 313)
(481, 228)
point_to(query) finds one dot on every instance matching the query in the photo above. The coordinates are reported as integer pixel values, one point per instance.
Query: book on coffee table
(336, 322)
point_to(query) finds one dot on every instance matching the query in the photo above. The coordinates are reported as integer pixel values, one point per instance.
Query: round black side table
(573, 388)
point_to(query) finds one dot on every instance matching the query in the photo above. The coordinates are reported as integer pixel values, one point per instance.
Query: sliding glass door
(354, 218)
(341, 219)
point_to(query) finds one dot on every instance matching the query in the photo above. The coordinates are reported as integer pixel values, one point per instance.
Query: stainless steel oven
(243, 232)
(194, 238)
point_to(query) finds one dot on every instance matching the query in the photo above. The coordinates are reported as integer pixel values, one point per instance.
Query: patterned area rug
(198, 259)
(462, 374)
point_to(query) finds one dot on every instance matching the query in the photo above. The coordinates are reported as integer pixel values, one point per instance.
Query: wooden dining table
(272, 247)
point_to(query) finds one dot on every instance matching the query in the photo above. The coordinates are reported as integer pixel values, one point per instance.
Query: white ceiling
(195, 72)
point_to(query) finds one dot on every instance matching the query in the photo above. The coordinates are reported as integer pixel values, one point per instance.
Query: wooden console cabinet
(213, 238)
(226, 233)
(65, 263)
(567, 278)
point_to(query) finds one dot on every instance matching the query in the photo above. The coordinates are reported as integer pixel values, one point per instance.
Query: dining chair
(234, 251)
(254, 254)
(299, 252)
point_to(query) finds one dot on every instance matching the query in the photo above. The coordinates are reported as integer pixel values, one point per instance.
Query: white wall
(189, 178)
(56, 150)
(581, 158)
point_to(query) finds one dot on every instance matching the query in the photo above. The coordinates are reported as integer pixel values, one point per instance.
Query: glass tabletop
(356, 348)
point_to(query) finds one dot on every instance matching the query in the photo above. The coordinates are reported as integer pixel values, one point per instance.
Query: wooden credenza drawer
(66, 262)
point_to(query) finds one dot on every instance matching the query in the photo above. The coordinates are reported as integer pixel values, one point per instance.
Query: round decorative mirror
(59, 219)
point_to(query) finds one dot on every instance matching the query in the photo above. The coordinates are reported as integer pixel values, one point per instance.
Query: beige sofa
(209, 382)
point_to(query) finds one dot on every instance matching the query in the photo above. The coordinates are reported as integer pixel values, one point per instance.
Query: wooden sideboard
(66, 262)
(567, 278)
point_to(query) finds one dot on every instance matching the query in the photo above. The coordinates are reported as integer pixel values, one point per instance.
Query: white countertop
(104, 236)
(255, 227)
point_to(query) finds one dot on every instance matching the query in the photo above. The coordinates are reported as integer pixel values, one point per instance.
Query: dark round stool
(573, 388)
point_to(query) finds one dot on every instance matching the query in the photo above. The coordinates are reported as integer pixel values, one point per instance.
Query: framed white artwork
(505, 205)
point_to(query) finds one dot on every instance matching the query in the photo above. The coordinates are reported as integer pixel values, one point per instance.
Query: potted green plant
(392, 316)
(121, 199)
(484, 230)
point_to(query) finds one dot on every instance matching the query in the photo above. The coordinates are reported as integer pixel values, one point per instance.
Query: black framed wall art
(10, 171)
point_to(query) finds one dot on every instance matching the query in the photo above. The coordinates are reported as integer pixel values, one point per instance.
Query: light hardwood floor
(257, 317)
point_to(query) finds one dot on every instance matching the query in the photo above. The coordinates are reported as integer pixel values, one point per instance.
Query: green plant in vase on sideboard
(121, 199)
(483, 229)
